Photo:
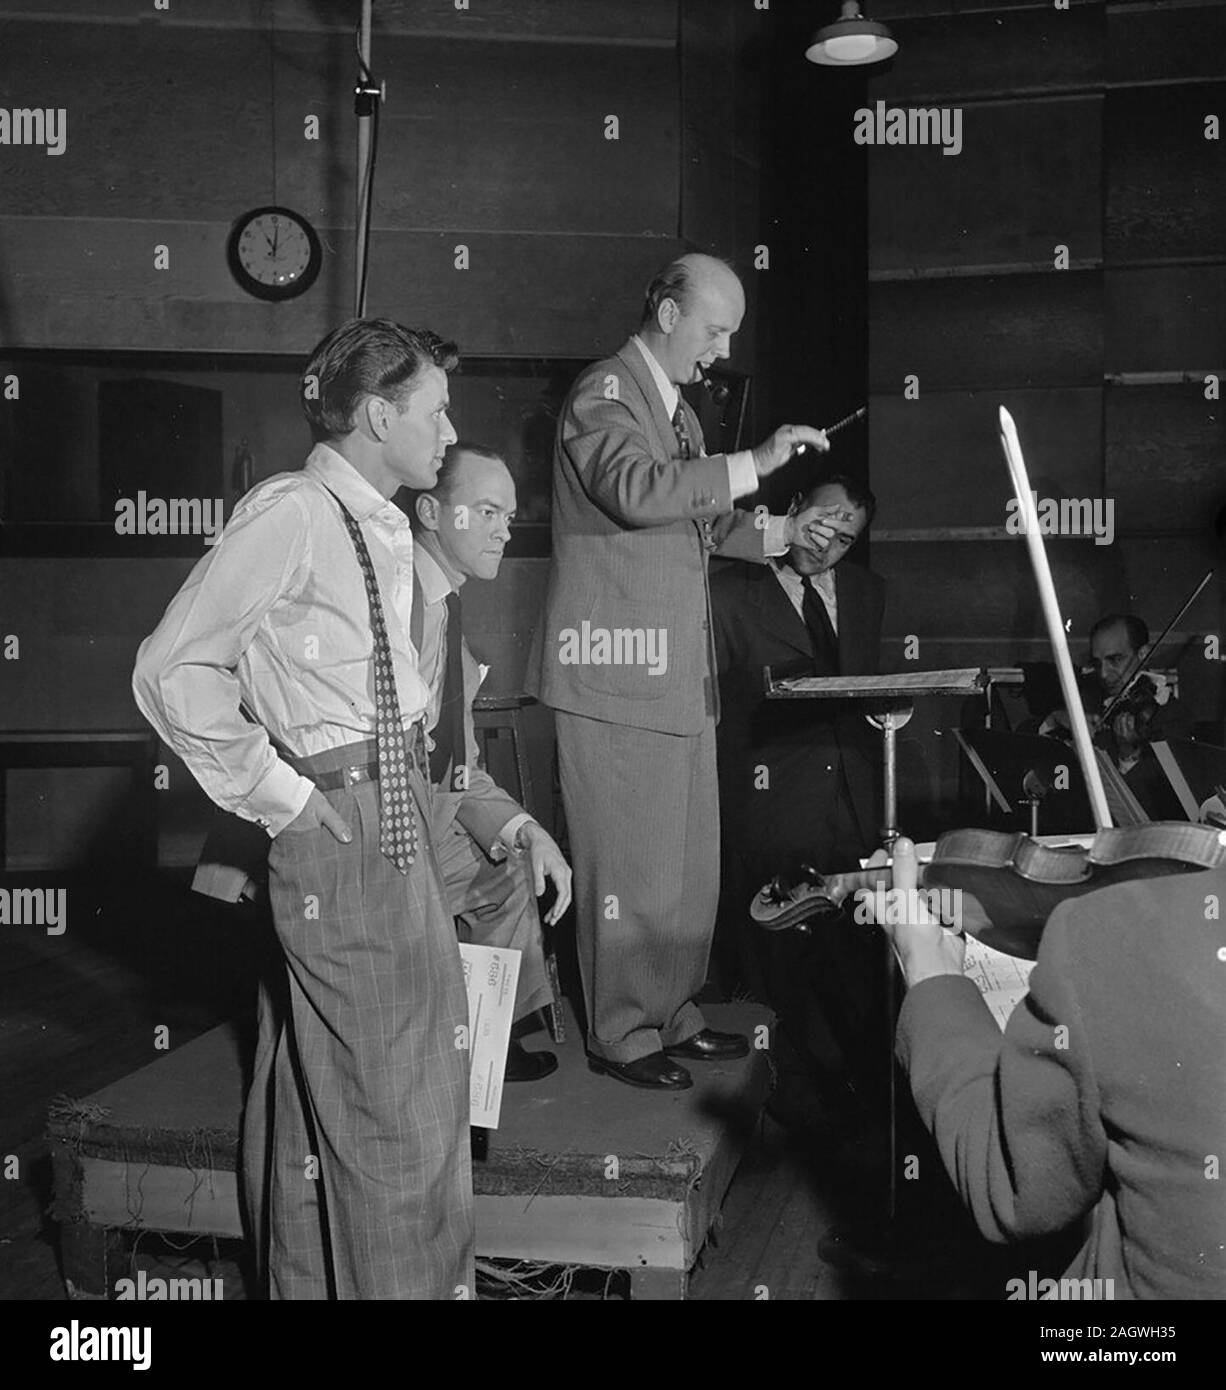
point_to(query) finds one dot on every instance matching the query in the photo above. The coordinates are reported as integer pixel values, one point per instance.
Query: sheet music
(957, 681)
(1001, 979)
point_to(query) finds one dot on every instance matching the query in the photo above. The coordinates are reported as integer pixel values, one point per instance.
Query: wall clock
(274, 253)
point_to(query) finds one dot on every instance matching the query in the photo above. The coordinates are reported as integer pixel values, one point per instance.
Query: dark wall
(493, 136)
(1082, 128)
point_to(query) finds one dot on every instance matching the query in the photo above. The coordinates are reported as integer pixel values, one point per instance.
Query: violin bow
(1142, 658)
(1055, 628)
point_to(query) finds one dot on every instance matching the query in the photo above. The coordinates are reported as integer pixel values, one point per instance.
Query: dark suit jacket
(796, 740)
(628, 552)
(1118, 1118)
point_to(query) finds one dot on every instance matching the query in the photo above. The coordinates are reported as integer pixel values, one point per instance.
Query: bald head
(693, 307)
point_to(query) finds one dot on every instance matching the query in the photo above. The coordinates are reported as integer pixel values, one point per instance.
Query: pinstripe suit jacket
(629, 554)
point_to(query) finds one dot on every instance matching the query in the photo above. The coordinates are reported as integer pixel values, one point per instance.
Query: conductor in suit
(625, 656)
(797, 782)
(1099, 1110)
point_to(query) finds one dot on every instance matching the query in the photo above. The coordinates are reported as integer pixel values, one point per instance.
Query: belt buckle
(354, 774)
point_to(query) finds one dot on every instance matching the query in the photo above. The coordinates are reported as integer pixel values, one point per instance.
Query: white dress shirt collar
(668, 391)
(431, 577)
(335, 471)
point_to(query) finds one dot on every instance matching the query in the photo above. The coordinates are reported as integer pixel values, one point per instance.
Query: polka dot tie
(397, 824)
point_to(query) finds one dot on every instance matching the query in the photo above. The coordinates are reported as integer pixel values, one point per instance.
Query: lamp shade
(851, 40)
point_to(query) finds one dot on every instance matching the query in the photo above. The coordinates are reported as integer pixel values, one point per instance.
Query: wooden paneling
(985, 56)
(92, 285)
(937, 461)
(964, 592)
(1167, 319)
(543, 21)
(1166, 43)
(1166, 190)
(990, 332)
(477, 135)
(1017, 188)
(1166, 458)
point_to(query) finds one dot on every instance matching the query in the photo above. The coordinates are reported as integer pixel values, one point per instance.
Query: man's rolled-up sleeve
(185, 680)
(1016, 1117)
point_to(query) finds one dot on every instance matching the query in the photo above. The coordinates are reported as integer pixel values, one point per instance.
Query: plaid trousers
(370, 1179)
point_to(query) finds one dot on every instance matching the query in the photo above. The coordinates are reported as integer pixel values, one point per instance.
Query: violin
(1003, 884)
(1010, 883)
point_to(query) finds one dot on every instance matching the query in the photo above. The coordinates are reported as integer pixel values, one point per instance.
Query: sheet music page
(1001, 979)
(490, 976)
(960, 679)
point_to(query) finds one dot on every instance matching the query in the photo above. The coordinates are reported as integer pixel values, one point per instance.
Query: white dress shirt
(742, 475)
(793, 585)
(435, 585)
(276, 616)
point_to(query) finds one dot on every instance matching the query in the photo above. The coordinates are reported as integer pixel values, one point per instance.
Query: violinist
(1147, 710)
(1100, 1104)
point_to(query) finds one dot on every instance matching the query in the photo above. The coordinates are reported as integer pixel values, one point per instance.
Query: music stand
(887, 706)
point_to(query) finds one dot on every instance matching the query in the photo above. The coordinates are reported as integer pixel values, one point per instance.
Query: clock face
(274, 253)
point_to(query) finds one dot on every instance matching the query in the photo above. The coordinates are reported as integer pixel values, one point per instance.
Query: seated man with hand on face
(797, 784)
(1101, 1103)
(493, 855)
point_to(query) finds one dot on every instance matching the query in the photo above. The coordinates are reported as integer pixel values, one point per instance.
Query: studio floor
(81, 1010)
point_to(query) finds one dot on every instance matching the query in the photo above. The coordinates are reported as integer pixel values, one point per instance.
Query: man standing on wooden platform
(299, 618)
(625, 657)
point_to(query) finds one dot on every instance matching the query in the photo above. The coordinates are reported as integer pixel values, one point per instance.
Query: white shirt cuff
(281, 798)
(775, 540)
(505, 843)
(742, 475)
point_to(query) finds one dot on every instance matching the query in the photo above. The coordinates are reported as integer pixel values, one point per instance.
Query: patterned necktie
(681, 428)
(397, 824)
(685, 448)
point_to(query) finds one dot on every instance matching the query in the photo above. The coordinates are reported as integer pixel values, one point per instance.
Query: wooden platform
(583, 1170)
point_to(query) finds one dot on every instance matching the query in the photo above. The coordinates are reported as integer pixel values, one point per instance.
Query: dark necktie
(449, 728)
(817, 620)
(397, 824)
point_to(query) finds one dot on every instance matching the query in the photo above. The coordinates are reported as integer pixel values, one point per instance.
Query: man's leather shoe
(653, 1072)
(523, 1065)
(709, 1046)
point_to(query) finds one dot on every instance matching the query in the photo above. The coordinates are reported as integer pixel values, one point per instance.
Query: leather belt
(415, 741)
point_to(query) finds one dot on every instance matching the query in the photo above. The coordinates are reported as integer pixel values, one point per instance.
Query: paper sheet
(1002, 980)
(490, 975)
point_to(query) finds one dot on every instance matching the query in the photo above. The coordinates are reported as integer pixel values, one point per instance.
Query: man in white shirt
(495, 857)
(624, 656)
(284, 676)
